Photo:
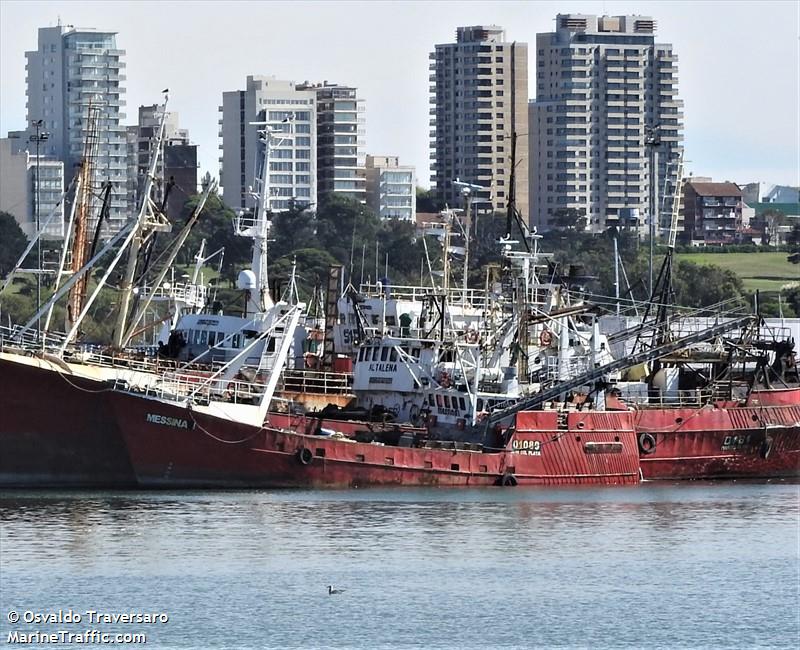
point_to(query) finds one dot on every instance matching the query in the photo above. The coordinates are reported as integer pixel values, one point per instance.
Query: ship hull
(720, 443)
(57, 429)
(172, 446)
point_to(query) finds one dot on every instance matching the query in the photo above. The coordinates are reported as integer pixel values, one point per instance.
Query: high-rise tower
(606, 125)
(479, 125)
(71, 68)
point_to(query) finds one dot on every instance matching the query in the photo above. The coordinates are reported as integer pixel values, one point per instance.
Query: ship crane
(591, 376)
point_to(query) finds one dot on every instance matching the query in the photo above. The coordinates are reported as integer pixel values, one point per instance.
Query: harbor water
(654, 566)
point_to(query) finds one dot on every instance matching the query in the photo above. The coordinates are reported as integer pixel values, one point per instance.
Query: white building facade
(69, 69)
(27, 200)
(391, 188)
(292, 167)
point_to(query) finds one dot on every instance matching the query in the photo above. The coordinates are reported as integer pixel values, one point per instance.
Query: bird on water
(332, 591)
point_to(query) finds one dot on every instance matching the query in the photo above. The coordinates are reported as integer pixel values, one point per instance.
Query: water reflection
(653, 566)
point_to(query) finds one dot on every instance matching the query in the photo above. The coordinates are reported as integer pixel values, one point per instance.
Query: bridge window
(384, 354)
(392, 354)
(462, 404)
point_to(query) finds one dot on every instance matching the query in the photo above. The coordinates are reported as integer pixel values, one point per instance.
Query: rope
(217, 438)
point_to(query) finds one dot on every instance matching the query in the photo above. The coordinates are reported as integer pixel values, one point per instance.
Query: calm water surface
(656, 566)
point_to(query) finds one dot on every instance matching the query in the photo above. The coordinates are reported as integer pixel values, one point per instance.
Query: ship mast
(149, 220)
(83, 212)
(257, 226)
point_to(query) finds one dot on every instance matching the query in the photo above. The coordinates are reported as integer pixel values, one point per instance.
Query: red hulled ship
(760, 439)
(176, 446)
(57, 429)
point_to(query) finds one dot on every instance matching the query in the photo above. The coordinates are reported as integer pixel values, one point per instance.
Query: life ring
(545, 338)
(472, 336)
(508, 480)
(766, 448)
(647, 443)
(304, 455)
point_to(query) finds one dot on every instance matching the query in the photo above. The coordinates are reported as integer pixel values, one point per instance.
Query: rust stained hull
(57, 430)
(212, 452)
(720, 443)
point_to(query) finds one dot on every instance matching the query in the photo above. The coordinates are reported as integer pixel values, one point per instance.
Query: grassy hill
(764, 271)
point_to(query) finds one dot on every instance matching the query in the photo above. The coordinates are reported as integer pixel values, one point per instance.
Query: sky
(738, 67)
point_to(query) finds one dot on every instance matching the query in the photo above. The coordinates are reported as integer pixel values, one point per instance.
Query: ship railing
(191, 294)
(180, 385)
(455, 295)
(317, 382)
(574, 366)
(682, 398)
(774, 333)
(146, 364)
(18, 337)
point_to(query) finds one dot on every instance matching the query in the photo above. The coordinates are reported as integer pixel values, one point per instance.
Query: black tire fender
(647, 443)
(508, 480)
(304, 455)
(766, 448)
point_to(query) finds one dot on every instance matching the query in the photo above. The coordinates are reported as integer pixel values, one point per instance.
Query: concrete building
(770, 193)
(19, 193)
(602, 84)
(292, 168)
(69, 69)
(341, 140)
(391, 188)
(712, 213)
(177, 160)
(479, 95)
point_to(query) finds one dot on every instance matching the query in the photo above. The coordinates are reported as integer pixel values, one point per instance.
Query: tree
(569, 219)
(215, 225)
(293, 229)
(12, 243)
(344, 225)
(793, 240)
(773, 219)
(427, 201)
(717, 284)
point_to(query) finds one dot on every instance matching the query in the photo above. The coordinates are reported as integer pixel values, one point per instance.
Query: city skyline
(739, 79)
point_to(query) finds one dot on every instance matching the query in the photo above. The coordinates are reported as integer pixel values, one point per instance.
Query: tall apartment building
(292, 167)
(479, 98)
(341, 140)
(69, 69)
(602, 85)
(28, 190)
(391, 188)
(177, 159)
